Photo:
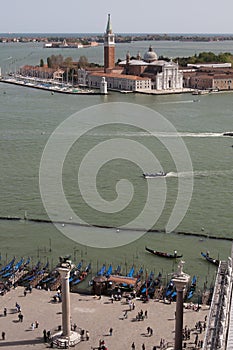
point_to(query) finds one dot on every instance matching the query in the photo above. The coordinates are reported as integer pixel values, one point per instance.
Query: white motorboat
(153, 175)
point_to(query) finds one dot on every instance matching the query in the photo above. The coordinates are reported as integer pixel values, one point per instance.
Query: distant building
(204, 78)
(118, 81)
(164, 75)
(209, 65)
(132, 74)
(41, 72)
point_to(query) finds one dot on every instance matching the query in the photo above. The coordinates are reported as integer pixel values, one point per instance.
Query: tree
(56, 60)
(49, 63)
(68, 62)
(83, 62)
(41, 62)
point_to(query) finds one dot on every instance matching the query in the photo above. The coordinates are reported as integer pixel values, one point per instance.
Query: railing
(216, 331)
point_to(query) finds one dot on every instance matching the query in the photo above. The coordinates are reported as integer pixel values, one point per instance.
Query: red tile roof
(117, 75)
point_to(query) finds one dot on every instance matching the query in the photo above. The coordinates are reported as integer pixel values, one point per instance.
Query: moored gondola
(164, 255)
(192, 288)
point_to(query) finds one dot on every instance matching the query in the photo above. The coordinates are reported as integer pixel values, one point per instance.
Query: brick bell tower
(109, 47)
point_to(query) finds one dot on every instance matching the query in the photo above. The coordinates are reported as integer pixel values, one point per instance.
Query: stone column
(180, 279)
(65, 290)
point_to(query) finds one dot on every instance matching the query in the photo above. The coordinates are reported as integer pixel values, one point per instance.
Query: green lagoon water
(27, 119)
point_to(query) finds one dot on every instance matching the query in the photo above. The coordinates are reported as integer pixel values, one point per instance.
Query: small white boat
(153, 175)
(201, 92)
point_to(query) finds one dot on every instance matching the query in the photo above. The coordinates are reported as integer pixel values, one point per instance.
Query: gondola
(192, 288)
(82, 276)
(162, 254)
(211, 260)
(101, 271)
(9, 266)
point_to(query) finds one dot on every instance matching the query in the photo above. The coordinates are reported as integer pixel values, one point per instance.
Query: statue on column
(65, 261)
(180, 268)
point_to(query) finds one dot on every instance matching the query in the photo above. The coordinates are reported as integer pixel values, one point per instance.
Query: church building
(164, 75)
(138, 74)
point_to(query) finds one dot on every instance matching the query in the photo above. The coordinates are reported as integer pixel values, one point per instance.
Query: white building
(116, 81)
(164, 75)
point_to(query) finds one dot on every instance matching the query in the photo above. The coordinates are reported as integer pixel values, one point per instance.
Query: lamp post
(180, 280)
(198, 299)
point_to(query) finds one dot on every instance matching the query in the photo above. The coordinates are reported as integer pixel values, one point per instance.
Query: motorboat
(200, 92)
(152, 175)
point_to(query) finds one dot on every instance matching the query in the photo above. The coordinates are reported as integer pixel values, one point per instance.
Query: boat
(101, 271)
(118, 270)
(82, 276)
(211, 260)
(148, 287)
(192, 288)
(170, 289)
(131, 272)
(163, 254)
(152, 175)
(10, 272)
(8, 267)
(201, 92)
(109, 271)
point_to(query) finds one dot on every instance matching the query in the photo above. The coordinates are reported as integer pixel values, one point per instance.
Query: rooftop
(118, 76)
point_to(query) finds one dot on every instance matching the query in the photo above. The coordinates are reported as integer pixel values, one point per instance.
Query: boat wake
(201, 173)
(175, 102)
(159, 134)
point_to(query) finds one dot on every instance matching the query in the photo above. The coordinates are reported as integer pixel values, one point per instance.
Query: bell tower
(109, 47)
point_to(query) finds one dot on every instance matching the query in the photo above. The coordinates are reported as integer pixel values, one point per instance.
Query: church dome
(150, 55)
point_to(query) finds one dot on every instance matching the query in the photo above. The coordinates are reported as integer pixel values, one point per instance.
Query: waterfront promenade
(95, 315)
(47, 85)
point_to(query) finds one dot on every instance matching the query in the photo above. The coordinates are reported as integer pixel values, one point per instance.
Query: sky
(128, 16)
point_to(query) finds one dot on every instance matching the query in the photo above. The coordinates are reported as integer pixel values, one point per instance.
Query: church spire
(109, 25)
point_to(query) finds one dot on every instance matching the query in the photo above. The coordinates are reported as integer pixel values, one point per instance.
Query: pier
(47, 85)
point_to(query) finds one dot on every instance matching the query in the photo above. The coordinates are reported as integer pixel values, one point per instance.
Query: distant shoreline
(120, 37)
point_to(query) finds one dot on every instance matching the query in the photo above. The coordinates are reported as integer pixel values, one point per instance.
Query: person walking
(143, 347)
(3, 335)
(5, 311)
(45, 335)
(110, 331)
(133, 346)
